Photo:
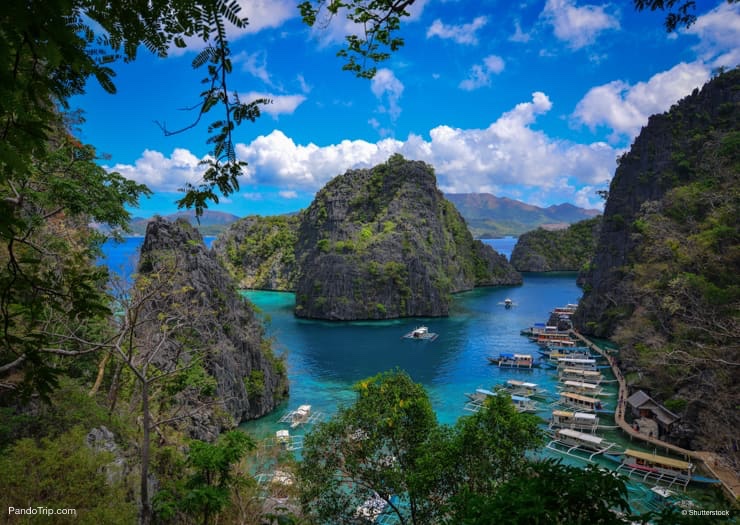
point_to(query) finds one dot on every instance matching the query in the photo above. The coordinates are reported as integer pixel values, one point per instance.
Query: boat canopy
(578, 371)
(522, 356)
(485, 392)
(519, 399)
(590, 438)
(580, 384)
(659, 460)
(577, 360)
(582, 399)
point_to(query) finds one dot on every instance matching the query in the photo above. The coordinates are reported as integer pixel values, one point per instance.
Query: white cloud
(255, 64)
(578, 26)
(161, 173)
(507, 158)
(262, 14)
(519, 35)
(719, 35)
(462, 34)
(625, 108)
(253, 196)
(281, 104)
(385, 85)
(480, 74)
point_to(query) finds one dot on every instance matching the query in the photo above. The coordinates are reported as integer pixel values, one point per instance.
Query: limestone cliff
(231, 374)
(664, 282)
(384, 243)
(259, 252)
(567, 250)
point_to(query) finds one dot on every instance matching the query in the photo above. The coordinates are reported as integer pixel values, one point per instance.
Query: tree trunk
(146, 511)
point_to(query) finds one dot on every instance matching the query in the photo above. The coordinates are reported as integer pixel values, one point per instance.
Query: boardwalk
(730, 481)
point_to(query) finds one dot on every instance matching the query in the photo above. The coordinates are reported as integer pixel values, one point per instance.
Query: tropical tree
(388, 447)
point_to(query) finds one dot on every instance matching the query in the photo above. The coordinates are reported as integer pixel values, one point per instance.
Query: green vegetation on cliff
(568, 250)
(259, 252)
(664, 282)
(384, 243)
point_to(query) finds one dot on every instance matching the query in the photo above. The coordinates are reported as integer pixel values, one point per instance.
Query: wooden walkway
(730, 481)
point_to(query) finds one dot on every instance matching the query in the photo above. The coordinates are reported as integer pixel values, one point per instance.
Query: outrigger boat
(577, 374)
(421, 333)
(580, 363)
(581, 387)
(585, 403)
(521, 403)
(577, 421)
(652, 468)
(568, 441)
(288, 442)
(525, 361)
(300, 416)
(524, 389)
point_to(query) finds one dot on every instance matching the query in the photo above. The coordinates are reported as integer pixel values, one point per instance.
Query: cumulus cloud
(261, 14)
(519, 35)
(719, 33)
(255, 64)
(480, 74)
(385, 86)
(160, 173)
(625, 108)
(508, 157)
(578, 26)
(281, 104)
(462, 34)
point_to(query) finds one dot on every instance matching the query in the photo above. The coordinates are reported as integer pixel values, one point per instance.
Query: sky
(531, 100)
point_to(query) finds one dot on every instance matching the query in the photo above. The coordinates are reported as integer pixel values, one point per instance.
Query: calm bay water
(324, 359)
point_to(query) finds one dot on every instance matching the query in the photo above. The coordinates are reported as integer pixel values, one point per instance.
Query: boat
(578, 374)
(581, 387)
(521, 403)
(300, 416)
(585, 403)
(580, 363)
(288, 442)
(652, 468)
(524, 388)
(371, 508)
(421, 333)
(574, 420)
(506, 360)
(568, 441)
(508, 303)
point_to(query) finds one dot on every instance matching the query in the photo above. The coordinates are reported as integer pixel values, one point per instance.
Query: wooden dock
(710, 462)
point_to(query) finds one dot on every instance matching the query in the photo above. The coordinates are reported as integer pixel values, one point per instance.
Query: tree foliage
(388, 445)
(680, 12)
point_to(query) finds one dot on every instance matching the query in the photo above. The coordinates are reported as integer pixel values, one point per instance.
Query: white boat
(520, 361)
(524, 388)
(521, 403)
(574, 420)
(652, 468)
(578, 374)
(584, 403)
(581, 387)
(421, 333)
(579, 444)
(300, 416)
(580, 363)
(288, 442)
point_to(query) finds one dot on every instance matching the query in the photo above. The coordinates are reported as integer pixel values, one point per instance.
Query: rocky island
(563, 250)
(376, 243)
(234, 361)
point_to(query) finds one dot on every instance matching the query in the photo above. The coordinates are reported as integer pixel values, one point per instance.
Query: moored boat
(581, 402)
(653, 468)
(579, 444)
(574, 420)
(581, 387)
(578, 374)
(524, 388)
(521, 403)
(520, 361)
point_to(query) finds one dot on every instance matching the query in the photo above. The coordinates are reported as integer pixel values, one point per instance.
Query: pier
(710, 461)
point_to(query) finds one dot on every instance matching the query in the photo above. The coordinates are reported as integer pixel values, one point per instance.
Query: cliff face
(568, 250)
(259, 252)
(664, 282)
(384, 243)
(230, 373)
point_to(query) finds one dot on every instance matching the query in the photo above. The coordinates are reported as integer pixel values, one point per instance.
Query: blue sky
(531, 100)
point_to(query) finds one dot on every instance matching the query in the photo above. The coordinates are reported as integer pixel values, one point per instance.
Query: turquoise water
(325, 358)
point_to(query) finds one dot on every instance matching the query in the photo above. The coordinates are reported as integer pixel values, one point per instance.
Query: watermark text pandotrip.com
(40, 511)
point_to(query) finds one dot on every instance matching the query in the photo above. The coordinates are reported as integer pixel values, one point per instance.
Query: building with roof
(642, 407)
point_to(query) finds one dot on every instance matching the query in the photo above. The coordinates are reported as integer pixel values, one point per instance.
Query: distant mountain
(490, 216)
(211, 222)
